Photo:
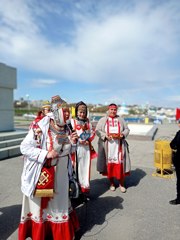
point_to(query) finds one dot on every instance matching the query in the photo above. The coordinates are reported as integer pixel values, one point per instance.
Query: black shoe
(175, 201)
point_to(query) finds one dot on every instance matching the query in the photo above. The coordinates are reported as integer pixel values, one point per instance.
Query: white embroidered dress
(114, 149)
(58, 220)
(83, 154)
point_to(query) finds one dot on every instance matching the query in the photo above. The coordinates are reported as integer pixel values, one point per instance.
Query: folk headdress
(46, 104)
(57, 104)
(80, 106)
(112, 105)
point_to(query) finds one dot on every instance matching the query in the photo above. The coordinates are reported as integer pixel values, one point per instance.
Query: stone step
(10, 143)
(9, 152)
(12, 135)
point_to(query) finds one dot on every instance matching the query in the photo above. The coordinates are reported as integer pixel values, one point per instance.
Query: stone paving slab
(142, 213)
(142, 131)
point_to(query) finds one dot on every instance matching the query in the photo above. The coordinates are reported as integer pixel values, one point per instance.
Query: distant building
(123, 110)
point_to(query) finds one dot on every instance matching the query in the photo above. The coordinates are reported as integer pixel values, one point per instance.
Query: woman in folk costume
(46, 153)
(85, 151)
(67, 113)
(45, 109)
(113, 159)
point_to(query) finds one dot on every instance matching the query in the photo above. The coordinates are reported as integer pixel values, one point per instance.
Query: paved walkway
(142, 213)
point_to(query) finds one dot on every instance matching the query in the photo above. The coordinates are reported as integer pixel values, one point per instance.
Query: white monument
(8, 83)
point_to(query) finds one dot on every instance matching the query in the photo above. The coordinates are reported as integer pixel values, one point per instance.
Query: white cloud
(130, 46)
(39, 83)
(174, 98)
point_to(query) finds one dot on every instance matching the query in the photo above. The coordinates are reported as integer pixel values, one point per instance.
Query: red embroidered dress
(114, 149)
(57, 220)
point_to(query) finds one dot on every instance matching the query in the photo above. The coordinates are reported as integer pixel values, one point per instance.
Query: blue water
(134, 119)
(127, 119)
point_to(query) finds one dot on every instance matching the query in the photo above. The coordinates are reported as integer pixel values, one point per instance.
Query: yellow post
(146, 120)
(73, 112)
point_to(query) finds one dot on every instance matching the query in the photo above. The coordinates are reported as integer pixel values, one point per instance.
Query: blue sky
(97, 51)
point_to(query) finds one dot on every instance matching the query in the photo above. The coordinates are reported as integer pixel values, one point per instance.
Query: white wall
(8, 83)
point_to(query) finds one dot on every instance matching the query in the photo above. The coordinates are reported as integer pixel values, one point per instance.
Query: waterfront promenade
(142, 213)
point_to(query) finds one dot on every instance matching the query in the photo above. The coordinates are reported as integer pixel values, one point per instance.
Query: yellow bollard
(163, 159)
(146, 120)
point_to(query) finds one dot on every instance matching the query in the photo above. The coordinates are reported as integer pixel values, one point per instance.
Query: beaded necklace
(61, 135)
(84, 125)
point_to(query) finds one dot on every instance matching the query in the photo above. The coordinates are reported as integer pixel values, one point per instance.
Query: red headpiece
(112, 105)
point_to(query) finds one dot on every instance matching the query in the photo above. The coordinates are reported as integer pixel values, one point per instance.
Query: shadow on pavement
(9, 219)
(99, 187)
(94, 213)
(134, 178)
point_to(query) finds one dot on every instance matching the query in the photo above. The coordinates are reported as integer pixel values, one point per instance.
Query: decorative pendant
(84, 136)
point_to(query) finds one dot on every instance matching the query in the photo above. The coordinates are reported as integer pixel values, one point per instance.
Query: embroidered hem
(48, 229)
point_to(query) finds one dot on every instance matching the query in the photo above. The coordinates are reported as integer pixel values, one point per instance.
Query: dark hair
(77, 105)
(39, 113)
(112, 104)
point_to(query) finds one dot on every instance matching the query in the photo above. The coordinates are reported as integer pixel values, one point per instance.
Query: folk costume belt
(115, 135)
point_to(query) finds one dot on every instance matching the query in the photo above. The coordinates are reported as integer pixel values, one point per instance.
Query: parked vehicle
(29, 116)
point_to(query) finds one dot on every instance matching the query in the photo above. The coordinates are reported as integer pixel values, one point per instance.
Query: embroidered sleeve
(100, 128)
(30, 149)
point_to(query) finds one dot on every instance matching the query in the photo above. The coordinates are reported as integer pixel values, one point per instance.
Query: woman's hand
(109, 138)
(121, 136)
(52, 154)
(74, 137)
(84, 142)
